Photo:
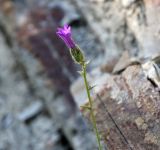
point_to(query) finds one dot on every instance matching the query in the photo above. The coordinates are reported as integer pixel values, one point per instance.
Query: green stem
(91, 106)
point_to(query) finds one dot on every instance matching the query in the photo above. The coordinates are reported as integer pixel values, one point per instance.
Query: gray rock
(31, 111)
(127, 3)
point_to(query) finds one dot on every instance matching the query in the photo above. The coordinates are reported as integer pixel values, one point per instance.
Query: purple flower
(76, 53)
(65, 34)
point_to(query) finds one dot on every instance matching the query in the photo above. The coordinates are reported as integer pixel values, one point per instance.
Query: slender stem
(91, 106)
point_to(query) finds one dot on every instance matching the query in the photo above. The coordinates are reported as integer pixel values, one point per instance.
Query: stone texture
(42, 79)
(127, 111)
(134, 28)
(122, 123)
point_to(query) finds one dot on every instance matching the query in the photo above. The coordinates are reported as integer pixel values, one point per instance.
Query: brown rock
(117, 111)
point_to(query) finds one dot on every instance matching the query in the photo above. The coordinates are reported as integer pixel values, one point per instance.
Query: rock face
(131, 25)
(127, 103)
(127, 111)
(36, 105)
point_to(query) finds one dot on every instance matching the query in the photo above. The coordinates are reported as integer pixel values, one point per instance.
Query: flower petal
(65, 34)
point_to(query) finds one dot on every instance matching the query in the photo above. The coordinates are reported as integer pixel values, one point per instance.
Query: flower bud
(77, 55)
(66, 35)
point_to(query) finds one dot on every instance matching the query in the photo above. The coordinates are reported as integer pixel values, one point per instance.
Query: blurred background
(40, 89)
